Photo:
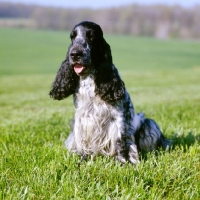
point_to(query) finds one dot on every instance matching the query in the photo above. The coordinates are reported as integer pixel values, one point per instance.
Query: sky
(104, 3)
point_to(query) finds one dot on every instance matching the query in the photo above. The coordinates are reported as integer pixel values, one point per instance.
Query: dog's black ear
(109, 85)
(65, 83)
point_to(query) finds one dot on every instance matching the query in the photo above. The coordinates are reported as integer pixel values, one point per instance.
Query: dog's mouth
(79, 68)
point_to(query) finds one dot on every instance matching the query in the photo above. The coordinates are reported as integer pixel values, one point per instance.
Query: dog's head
(88, 53)
(88, 48)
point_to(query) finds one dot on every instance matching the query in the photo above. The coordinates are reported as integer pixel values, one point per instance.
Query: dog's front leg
(121, 149)
(133, 156)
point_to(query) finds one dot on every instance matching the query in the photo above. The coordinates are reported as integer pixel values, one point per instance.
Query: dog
(105, 122)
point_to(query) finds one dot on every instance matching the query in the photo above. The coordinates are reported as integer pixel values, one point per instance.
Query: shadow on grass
(183, 141)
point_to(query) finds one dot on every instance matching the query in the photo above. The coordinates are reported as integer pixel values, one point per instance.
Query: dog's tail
(148, 135)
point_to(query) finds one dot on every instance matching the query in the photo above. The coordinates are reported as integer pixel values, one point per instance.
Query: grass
(163, 80)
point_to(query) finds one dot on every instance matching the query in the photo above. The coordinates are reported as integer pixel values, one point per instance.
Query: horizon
(103, 4)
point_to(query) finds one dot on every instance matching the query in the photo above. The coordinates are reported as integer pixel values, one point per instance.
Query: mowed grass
(162, 78)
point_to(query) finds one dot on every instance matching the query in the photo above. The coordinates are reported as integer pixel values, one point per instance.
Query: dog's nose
(76, 54)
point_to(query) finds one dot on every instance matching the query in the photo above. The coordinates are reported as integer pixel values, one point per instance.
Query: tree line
(156, 20)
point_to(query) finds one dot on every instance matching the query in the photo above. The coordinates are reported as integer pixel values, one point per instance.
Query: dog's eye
(73, 35)
(91, 36)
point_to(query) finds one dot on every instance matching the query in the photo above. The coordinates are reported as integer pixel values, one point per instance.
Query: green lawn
(163, 79)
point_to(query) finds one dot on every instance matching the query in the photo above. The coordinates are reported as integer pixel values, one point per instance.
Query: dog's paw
(121, 159)
(133, 154)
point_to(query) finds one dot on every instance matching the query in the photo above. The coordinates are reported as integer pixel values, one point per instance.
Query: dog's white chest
(86, 99)
(95, 121)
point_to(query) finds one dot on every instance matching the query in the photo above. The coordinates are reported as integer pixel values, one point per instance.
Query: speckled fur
(105, 122)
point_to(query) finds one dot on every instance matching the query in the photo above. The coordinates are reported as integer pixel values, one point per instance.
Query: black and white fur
(105, 122)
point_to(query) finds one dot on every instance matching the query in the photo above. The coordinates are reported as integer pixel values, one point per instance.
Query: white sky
(104, 3)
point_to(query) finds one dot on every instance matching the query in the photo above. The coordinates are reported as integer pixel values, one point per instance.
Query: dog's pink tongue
(78, 68)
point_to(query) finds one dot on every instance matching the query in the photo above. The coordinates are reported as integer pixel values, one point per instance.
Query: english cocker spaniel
(105, 122)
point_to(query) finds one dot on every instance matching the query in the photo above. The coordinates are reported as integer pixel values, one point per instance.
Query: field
(163, 79)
